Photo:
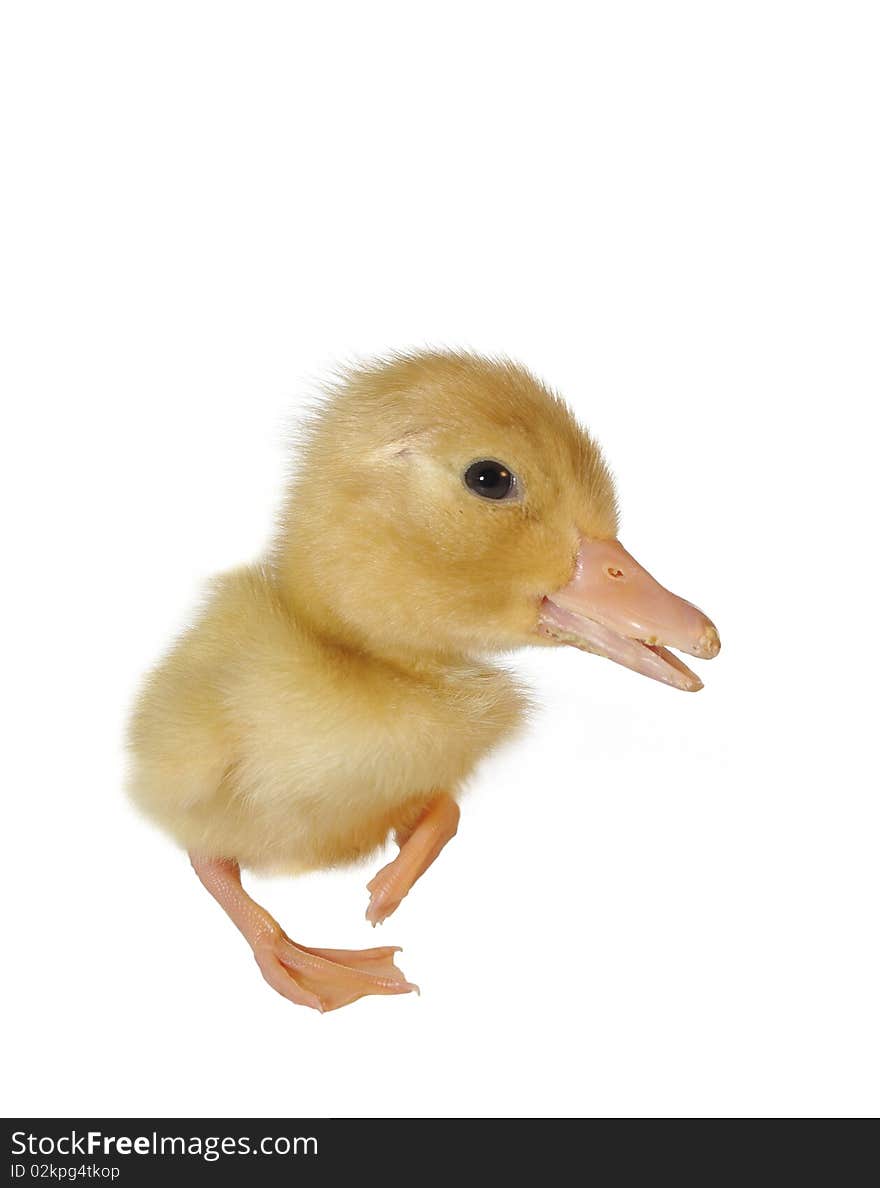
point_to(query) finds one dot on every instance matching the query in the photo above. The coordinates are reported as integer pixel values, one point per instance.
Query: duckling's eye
(490, 479)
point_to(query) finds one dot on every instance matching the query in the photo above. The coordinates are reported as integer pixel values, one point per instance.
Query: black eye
(490, 479)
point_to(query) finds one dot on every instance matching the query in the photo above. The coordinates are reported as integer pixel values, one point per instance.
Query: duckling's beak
(612, 607)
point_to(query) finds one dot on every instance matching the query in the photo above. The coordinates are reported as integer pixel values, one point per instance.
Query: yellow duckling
(447, 507)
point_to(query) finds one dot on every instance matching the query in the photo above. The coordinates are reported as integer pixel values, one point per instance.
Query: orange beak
(614, 608)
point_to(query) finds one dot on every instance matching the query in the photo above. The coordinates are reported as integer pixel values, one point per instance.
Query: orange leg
(321, 978)
(418, 849)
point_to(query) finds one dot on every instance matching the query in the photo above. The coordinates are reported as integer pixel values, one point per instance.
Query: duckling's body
(258, 739)
(447, 507)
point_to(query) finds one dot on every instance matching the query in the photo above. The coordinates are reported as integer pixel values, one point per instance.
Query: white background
(657, 903)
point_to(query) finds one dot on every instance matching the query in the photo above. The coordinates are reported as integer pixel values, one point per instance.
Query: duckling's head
(449, 504)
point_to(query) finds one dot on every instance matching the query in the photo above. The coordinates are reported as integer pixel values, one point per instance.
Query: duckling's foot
(417, 851)
(328, 978)
(320, 978)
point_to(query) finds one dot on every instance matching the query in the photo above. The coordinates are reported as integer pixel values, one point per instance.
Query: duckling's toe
(326, 979)
(385, 898)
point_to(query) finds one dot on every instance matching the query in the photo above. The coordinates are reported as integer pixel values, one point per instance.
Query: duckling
(447, 507)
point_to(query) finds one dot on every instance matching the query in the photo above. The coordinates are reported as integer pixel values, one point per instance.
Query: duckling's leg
(418, 849)
(321, 978)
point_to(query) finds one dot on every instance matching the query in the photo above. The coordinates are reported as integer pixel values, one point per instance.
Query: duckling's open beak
(612, 607)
